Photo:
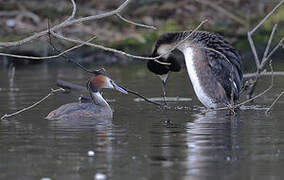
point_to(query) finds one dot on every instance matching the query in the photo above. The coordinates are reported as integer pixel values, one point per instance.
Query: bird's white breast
(198, 88)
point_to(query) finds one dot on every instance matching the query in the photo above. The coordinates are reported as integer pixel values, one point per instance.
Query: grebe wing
(74, 110)
(221, 68)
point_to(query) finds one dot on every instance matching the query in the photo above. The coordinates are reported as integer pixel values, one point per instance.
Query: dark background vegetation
(231, 18)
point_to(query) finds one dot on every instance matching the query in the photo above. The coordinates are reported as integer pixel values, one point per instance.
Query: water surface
(141, 141)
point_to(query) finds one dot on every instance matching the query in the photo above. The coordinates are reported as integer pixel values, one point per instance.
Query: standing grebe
(209, 71)
(98, 107)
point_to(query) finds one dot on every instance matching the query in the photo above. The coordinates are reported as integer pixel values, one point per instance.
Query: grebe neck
(193, 61)
(99, 100)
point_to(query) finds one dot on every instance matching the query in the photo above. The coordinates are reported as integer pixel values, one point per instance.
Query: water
(141, 141)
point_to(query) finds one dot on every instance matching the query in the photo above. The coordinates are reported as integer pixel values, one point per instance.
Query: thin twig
(276, 73)
(47, 57)
(260, 65)
(275, 48)
(124, 53)
(182, 41)
(68, 58)
(263, 61)
(71, 86)
(52, 91)
(92, 72)
(50, 31)
(99, 46)
(143, 97)
(73, 11)
(253, 49)
(134, 23)
(224, 11)
(266, 17)
(274, 102)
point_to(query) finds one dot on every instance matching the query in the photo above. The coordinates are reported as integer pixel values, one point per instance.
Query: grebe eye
(111, 81)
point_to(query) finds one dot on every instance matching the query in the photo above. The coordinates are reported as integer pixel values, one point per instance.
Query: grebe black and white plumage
(209, 72)
(97, 108)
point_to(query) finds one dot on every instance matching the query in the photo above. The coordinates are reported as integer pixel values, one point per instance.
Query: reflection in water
(199, 147)
(212, 138)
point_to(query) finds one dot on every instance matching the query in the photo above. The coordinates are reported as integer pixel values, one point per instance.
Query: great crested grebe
(209, 72)
(98, 107)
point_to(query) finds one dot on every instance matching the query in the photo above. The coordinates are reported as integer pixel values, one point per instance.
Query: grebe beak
(164, 78)
(118, 88)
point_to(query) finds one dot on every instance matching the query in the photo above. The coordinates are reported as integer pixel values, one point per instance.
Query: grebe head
(101, 80)
(160, 69)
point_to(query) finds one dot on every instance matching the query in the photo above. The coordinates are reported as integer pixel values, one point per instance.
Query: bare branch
(182, 41)
(47, 57)
(268, 45)
(250, 33)
(81, 43)
(274, 102)
(213, 5)
(52, 91)
(266, 17)
(251, 75)
(260, 65)
(124, 53)
(275, 48)
(134, 23)
(99, 46)
(253, 49)
(71, 86)
(69, 21)
(73, 11)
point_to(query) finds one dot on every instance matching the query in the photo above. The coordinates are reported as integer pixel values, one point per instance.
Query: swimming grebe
(209, 71)
(97, 108)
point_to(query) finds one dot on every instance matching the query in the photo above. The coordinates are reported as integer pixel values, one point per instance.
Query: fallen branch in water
(52, 91)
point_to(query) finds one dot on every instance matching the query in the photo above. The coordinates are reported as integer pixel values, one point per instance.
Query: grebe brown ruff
(209, 71)
(97, 108)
